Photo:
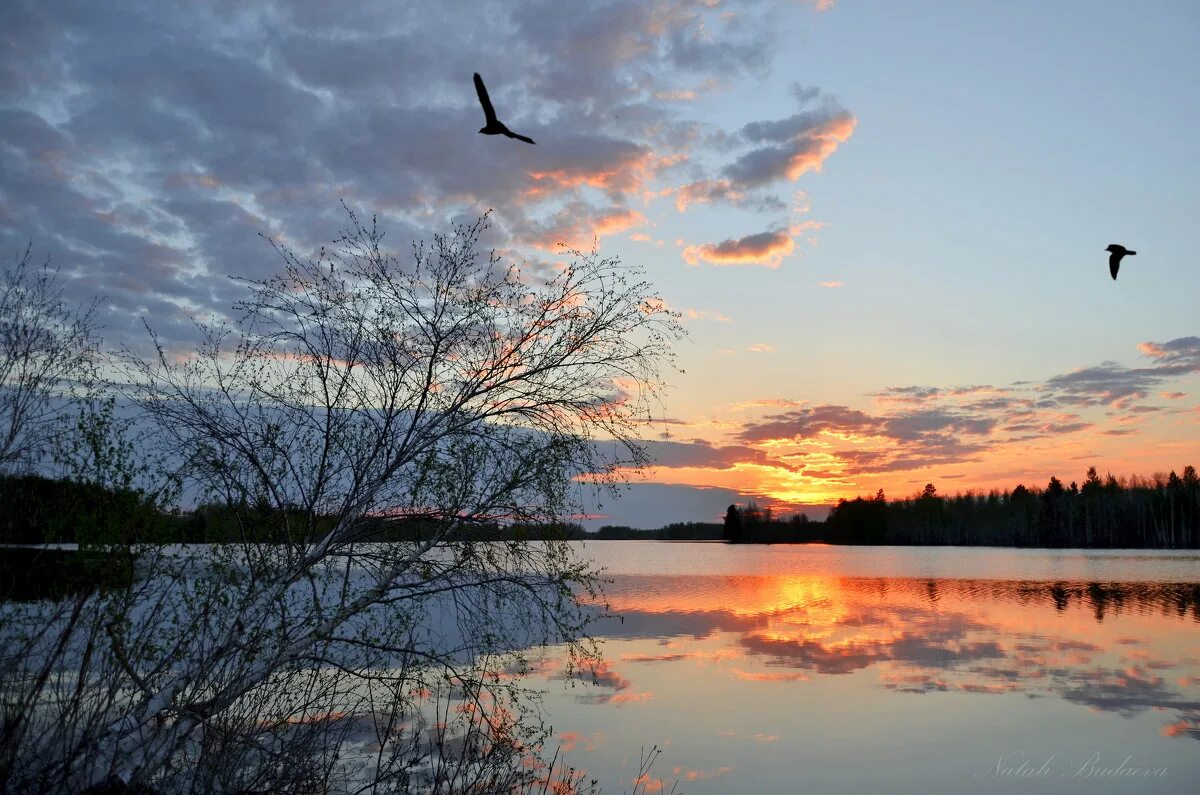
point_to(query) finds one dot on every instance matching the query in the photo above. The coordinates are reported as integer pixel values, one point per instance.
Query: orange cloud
(831, 285)
(821, 143)
(763, 248)
(700, 775)
(704, 192)
(577, 227)
(1181, 728)
(642, 237)
(774, 403)
(571, 739)
(769, 676)
(647, 784)
(628, 173)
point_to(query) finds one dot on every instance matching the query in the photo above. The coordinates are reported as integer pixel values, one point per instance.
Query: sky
(883, 223)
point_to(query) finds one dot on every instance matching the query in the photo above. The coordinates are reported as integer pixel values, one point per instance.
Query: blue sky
(951, 172)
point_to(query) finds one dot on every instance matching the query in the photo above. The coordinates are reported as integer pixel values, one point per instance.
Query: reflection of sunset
(750, 656)
(975, 636)
(744, 595)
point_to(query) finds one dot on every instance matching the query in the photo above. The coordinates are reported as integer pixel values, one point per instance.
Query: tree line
(1158, 512)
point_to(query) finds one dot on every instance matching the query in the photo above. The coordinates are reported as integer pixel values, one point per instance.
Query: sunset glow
(892, 271)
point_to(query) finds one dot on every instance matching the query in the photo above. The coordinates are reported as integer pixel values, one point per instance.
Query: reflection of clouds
(937, 648)
(715, 655)
(1184, 727)
(1124, 691)
(769, 676)
(654, 657)
(603, 675)
(654, 606)
(920, 636)
(635, 624)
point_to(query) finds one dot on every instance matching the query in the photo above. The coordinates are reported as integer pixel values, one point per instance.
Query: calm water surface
(808, 669)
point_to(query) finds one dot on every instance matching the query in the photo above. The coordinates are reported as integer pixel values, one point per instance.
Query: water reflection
(752, 595)
(1123, 648)
(901, 670)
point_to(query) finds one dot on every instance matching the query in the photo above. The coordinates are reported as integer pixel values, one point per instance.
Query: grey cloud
(809, 422)
(916, 425)
(702, 454)
(144, 150)
(1110, 383)
(783, 130)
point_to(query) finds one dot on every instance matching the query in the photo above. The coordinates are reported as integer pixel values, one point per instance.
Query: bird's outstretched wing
(527, 140)
(1114, 264)
(489, 112)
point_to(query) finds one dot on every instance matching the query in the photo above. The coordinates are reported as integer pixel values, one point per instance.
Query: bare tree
(47, 351)
(359, 396)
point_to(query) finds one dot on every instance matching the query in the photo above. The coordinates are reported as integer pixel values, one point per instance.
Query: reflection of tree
(925, 634)
(656, 606)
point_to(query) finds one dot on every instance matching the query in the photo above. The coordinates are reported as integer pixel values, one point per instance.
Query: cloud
(806, 423)
(916, 427)
(786, 149)
(763, 248)
(701, 775)
(1182, 353)
(771, 151)
(831, 285)
(144, 151)
(912, 437)
(1112, 384)
(578, 226)
(709, 456)
(706, 314)
(713, 191)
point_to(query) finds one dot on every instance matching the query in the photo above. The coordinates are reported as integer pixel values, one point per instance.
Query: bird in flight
(1116, 252)
(494, 126)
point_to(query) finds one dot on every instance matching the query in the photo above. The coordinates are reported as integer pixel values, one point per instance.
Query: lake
(818, 669)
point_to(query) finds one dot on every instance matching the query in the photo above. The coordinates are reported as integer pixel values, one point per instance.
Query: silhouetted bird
(1114, 258)
(494, 126)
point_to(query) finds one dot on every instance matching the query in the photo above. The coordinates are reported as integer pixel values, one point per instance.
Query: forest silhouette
(1159, 512)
